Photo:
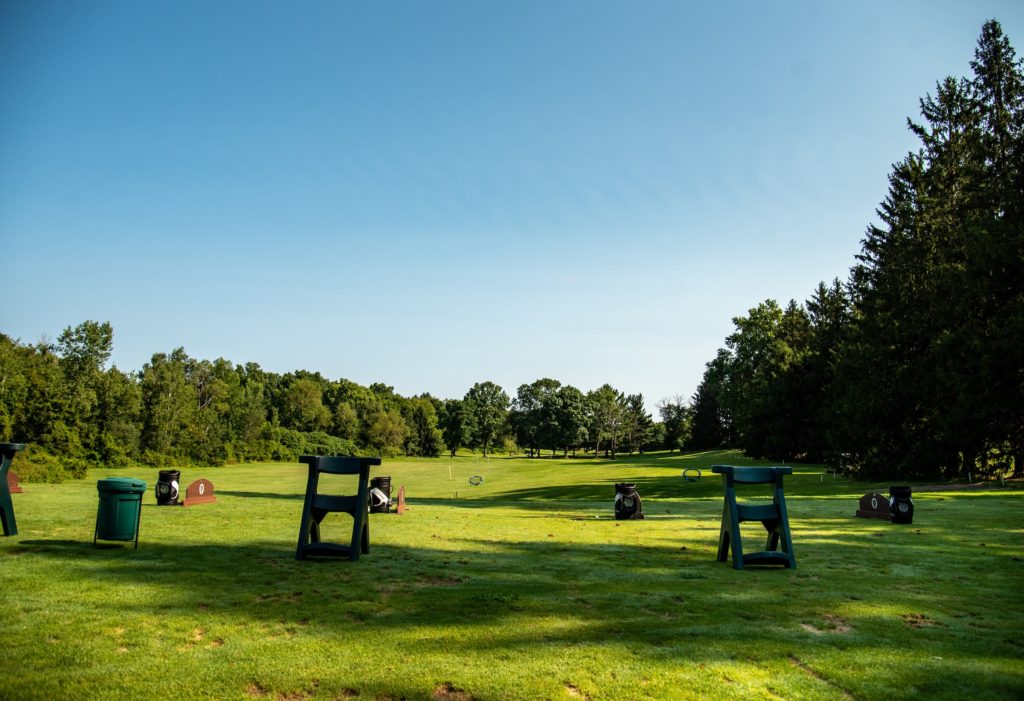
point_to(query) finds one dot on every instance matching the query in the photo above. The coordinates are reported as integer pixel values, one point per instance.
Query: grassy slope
(523, 587)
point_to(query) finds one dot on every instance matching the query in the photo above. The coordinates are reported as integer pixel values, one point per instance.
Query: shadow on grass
(259, 495)
(481, 582)
(676, 487)
(509, 596)
(604, 490)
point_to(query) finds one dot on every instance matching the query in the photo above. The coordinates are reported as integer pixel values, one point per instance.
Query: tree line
(913, 367)
(74, 411)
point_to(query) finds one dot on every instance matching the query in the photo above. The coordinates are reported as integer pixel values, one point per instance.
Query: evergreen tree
(707, 431)
(996, 251)
(828, 311)
(931, 376)
(637, 423)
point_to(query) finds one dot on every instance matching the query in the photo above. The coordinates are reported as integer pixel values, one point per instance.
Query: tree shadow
(652, 596)
(649, 488)
(259, 495)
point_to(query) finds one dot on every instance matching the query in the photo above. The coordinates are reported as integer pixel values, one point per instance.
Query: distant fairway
(523, 587)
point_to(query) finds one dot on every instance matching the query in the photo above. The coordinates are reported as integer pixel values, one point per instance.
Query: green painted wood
(760, 512)
(10, 523)
(766, 558)
(774, 517)
(327, 502)
(337, 465)
(753, 475)
(316, 506)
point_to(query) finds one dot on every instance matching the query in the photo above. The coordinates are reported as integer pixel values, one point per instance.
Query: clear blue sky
(432, 194)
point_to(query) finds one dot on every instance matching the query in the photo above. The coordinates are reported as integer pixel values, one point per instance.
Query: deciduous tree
(488, 404)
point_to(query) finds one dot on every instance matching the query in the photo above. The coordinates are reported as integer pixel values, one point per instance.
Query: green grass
(524, 587)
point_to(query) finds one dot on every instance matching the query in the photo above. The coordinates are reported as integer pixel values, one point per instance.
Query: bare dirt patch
(439, 582)
(919, 620)
(832, 624)
(450, 692)
(256, 690)
(575, 692)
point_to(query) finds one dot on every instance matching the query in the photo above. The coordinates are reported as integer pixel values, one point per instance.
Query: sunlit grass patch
(523, 587)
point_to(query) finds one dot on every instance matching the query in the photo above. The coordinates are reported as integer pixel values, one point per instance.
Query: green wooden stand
(7, 451)
(772, 516)
(316, 506)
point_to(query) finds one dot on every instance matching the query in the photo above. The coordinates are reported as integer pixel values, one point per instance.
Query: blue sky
(432, 194)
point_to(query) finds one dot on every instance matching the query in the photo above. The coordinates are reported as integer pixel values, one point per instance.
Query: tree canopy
(914, 367)
(74, 411)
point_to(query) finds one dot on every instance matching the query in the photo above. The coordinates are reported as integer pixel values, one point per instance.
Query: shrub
(36, 464)
(290, 444)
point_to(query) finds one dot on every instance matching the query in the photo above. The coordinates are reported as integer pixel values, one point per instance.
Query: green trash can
(120, 508)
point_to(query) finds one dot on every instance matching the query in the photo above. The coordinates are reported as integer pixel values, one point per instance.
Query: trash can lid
(121, 484)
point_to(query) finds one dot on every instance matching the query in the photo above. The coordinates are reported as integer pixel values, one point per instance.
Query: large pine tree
(932, 379)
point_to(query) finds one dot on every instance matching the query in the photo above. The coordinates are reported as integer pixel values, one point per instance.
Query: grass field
(523, 587)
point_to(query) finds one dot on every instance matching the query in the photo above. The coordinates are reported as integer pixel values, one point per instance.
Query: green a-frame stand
(7, 451)
(316, 506)
(773, 517)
